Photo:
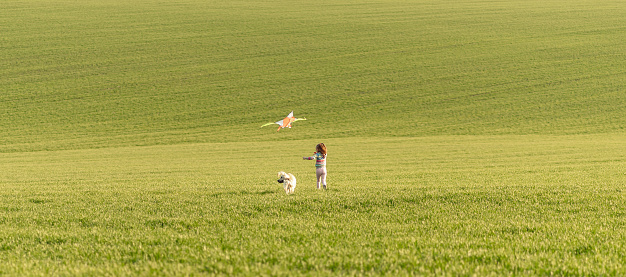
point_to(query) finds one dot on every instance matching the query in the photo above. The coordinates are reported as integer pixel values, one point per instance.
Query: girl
(320, 164)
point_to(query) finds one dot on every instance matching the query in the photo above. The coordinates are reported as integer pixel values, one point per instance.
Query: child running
(320, 164)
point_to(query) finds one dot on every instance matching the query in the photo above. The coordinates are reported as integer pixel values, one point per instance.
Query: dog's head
(282, 176)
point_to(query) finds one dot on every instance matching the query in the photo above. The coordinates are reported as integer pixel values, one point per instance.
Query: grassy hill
(466, 137)
(115, 73)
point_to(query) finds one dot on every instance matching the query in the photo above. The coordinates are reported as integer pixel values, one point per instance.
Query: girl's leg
(324, 173)
(320, 173)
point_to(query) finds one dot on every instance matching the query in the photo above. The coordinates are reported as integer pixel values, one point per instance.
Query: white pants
(320, 172)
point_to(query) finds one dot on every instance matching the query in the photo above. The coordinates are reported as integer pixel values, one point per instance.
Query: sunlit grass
(465, 137)
(117, 73)
(459, 205)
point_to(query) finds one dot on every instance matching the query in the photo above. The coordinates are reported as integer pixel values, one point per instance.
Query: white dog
(288, 181)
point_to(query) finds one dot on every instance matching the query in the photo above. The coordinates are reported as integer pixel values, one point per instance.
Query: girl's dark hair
(321, 148)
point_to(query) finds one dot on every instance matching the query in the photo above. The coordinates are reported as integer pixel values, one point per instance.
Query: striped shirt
(320, 159)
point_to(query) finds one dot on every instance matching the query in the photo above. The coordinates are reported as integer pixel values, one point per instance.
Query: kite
(285, 122)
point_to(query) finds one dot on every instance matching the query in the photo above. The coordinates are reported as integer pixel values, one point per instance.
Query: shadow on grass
(243, 192)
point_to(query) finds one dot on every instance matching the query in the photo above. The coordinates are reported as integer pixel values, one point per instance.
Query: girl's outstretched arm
(310, 158)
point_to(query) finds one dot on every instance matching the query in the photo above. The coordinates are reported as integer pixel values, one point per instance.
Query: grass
(453, 205)
(465, 137)
(117, 73)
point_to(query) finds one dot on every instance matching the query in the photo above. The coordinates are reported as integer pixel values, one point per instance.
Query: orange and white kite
(285, 122)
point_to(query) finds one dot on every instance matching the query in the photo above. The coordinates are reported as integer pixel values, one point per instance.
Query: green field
(468, 137)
